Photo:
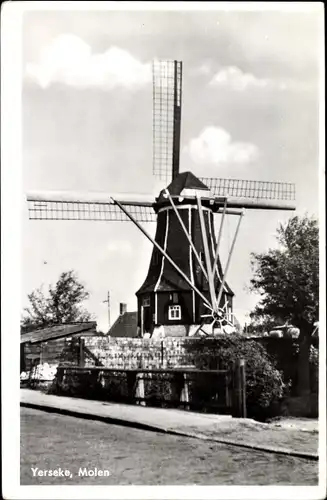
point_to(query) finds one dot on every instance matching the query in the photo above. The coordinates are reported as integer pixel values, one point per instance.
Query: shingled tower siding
(165, 297)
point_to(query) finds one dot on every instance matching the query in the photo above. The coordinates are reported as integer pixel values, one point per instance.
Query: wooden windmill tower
(185, 289)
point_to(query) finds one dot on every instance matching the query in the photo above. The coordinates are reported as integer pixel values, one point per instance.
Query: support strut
(229, 259)
(180, 272)
(186, 233)
(207, 255)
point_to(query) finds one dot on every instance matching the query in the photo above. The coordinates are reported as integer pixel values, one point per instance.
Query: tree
(262, 323)
(62, 304)
(288, 280)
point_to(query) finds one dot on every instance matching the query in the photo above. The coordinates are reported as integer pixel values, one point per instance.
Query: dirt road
(133, 456)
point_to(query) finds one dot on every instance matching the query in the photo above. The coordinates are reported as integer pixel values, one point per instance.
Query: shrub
(92, 385)
(284, 352)
(314, 369)
(158, 389)
(264, 383)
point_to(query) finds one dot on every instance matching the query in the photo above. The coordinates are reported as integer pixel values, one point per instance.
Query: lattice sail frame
(258, 190)
(276, 195)
(62, 210)
(167, 103)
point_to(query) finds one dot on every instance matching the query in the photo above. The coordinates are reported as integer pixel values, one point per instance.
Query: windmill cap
(184, 185)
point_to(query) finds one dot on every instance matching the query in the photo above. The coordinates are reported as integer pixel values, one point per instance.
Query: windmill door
(145, 317)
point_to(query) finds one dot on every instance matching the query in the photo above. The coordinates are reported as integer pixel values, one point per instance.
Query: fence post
(239, 389)
(139, 385)
(81, 352)
(227, 389)
(243, 388)
(139, 390)
(131, 385)
(162, 353)
(59, 377)
(184, 395)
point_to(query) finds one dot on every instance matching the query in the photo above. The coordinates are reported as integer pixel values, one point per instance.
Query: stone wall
(136, 353)
(147, 353)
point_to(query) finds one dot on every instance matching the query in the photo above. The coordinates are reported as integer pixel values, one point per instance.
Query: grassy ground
(133, 456)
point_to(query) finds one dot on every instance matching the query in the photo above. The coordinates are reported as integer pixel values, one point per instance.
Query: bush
(264, 383)
(314, 369)
(112, 387)
(92, 385)
(284, 352)
(158, 389)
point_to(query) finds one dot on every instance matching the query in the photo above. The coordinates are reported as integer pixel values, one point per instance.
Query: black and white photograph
(163, 250)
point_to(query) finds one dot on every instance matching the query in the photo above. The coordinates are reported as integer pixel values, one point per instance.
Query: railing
(225, 389)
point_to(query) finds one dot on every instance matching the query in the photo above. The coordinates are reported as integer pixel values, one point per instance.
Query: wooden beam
(207, 255)
(177, 109)
(229, 259)
(239, 389)
(215, 269)
(258, 204)
(186, 234)
(181, 273)
(142, 200)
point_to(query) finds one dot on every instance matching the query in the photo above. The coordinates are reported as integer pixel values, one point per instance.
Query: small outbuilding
(125, 325)
(45, 345)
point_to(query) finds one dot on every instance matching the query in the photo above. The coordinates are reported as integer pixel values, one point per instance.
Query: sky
(250, 110)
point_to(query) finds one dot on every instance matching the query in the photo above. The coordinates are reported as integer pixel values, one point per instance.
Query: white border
(11, 198)
(322, 266)
(168, 6)
(11, 207)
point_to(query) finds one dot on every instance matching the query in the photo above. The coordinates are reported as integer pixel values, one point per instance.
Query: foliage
(314, 369)
(263, 323)
(158, 389)
(113, 387)
(288, 277)
(264, 383)
(62, 303)
(285, 355)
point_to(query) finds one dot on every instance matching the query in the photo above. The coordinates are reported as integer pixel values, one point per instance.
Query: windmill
(186, 287)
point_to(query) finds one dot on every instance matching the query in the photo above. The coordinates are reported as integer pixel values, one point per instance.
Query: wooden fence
(227, 387)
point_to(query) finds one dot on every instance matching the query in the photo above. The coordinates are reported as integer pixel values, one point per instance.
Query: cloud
(235, 79)
(203, 69)
(214, 145)
(69, 60)
(120, 247)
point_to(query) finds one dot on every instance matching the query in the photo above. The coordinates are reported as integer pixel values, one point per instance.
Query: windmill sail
(91, 207)
(167, 101)
(102, 207)
(260, 190)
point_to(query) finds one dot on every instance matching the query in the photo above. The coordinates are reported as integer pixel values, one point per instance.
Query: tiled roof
(58, 331)
(125, 325)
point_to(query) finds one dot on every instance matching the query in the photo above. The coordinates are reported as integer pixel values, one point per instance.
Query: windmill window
(174, 312)
(146, 302)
